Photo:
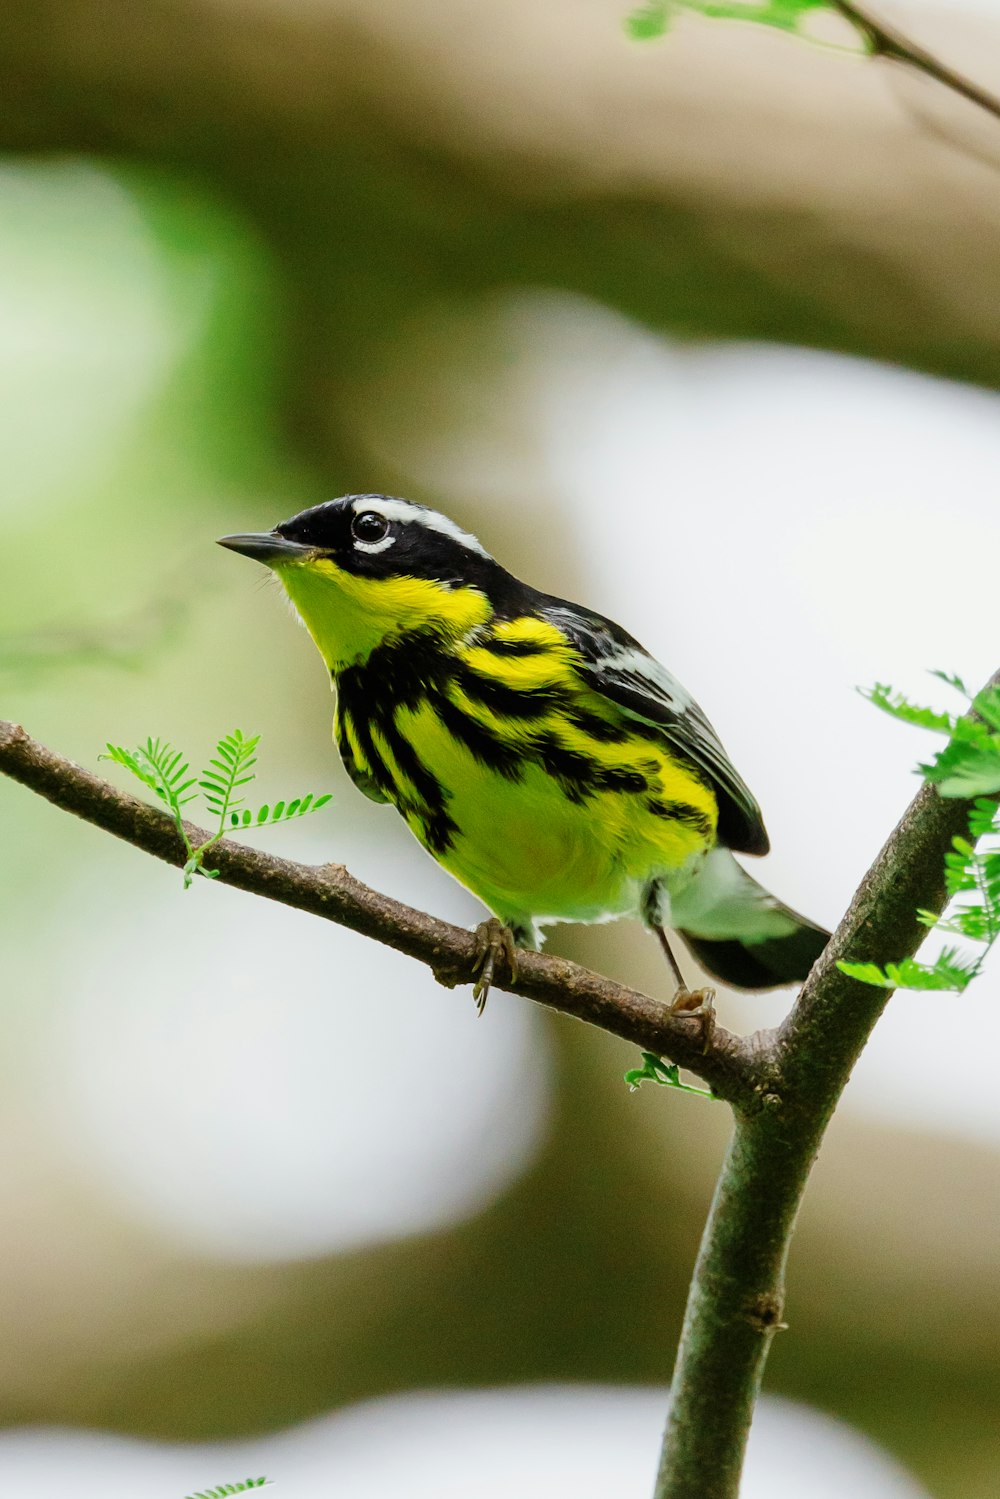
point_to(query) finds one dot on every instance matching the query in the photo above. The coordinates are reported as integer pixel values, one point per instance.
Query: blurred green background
(256, 254)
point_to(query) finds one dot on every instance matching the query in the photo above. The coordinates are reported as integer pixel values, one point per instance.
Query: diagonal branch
(885, 41)
(329, 891)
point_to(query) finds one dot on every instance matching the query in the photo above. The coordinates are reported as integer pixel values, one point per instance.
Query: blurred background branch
(886, 41)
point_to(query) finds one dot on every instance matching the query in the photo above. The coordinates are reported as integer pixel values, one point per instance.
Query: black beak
(266, 546)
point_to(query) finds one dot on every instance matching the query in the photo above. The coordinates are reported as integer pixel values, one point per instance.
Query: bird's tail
(741, 933)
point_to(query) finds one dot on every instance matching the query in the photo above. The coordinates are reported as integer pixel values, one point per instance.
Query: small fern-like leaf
(164, 771)
(225, 1489)
(966, 770)
(987, 705)
(121, 756)
(948, 972)
(866, 973)
(168, 769)
(231, 767)
(268, 816)
(899, 706)
(655, 1070)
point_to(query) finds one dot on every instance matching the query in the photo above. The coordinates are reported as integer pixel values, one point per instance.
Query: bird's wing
(361, 779)
(618, 667)
(364, 783)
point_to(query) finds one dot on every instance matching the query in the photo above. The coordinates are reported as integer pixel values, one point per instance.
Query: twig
(885, 41)
(736, 1301)
(329, 891)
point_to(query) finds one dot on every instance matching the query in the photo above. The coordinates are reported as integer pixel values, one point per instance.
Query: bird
(537, 751)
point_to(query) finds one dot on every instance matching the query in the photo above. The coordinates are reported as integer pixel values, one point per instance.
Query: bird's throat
(348, 616)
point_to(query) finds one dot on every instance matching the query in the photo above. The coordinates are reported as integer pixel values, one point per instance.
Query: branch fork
(783, 1084)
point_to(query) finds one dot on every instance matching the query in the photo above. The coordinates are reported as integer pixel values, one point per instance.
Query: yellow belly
(529, 851)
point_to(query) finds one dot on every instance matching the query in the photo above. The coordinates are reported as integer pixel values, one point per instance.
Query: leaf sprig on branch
(653, 19)
(655, 1070)
(226, 1489)
(967, 767)
(161, 767)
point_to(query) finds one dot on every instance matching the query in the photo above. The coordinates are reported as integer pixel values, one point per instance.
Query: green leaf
(786, 15)
(967, 767)
(651, 20)
(951, 680)
(121, 756)
(987, 705)
(161, 768)
(948, 972)
(899, 706)
(228, 769)
(225, 1489)
(975, 923)
(866, 973)
(648, 22)
(983, 818)
(164, 771)
(966, 770)
(667, 1074)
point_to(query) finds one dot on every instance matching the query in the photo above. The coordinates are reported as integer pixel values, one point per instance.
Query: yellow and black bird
(535, 749)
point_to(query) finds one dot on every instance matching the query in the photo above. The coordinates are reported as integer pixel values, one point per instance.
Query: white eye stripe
(416, 515)
(374, 546)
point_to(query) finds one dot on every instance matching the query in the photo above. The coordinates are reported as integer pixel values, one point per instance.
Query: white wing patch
(629, 665)
(410, 514)
(644, 690)
(626, 661)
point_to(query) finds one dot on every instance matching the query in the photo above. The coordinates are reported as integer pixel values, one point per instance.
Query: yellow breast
(530, 848)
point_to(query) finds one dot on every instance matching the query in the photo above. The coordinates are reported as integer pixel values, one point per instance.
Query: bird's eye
(369, 526)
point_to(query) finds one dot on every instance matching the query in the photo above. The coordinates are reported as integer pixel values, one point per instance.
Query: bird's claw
(495, 953)
(699, 1004)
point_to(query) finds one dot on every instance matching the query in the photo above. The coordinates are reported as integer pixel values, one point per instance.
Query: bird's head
(364, 568)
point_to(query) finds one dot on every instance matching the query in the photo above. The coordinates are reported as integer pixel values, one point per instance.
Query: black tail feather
(760, 965)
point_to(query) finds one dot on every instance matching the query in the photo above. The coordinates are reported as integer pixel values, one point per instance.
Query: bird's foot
(700, 1004)
(495, 957)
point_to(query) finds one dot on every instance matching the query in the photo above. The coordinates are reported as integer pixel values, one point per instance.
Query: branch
(737, 1294)
(894, 46)
(783, 1085)
(329, 891)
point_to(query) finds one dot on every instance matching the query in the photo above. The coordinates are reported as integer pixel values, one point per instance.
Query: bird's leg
(494, 946)
(696, 1002)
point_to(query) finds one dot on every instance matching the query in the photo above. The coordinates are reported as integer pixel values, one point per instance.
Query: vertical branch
(733, 1312)
(737, 1293)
